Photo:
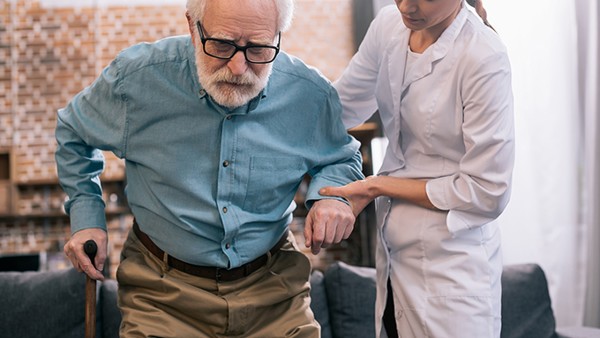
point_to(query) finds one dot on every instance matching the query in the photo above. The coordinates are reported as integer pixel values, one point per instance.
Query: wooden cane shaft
(90, 307)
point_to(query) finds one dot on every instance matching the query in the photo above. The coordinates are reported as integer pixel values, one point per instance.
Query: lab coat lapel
(396, 59)
(420, 69)
(396, 63)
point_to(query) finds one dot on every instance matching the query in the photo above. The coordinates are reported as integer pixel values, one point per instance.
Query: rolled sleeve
(469, 205)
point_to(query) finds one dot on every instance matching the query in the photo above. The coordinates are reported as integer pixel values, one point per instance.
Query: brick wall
(49, 53)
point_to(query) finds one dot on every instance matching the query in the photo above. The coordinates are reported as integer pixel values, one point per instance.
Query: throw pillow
(351, 296)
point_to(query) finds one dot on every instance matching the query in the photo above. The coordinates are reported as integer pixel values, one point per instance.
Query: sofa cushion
(318, 302)
(43, 304)
(111, 315)
(351, 296)
(526, 306)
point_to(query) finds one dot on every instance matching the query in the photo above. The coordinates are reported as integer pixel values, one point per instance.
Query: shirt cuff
(87, 215)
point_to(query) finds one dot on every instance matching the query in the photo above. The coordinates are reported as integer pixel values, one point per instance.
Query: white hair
(285, 11)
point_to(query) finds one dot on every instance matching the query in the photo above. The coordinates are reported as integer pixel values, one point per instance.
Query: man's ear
(190, 26)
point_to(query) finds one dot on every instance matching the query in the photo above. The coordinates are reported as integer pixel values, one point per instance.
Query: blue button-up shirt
(211, 186)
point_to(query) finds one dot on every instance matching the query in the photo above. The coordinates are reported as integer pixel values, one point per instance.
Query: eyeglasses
(224, 49)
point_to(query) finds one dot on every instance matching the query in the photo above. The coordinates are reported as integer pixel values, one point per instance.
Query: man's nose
(238, 64)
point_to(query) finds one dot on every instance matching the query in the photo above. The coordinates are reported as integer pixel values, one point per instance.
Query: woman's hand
(358, 193)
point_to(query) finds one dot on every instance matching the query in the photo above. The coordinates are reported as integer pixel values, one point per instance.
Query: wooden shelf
(36, 215)
(59, 214)
(365, 131)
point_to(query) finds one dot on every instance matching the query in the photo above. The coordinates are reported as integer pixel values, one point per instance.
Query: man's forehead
(243, 10)
(245, 22)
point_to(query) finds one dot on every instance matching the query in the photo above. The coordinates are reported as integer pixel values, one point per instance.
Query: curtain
(546, 221)
(588, 14)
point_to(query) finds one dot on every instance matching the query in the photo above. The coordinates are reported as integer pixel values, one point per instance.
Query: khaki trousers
(156, 301)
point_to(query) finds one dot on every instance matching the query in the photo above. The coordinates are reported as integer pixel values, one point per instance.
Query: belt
(218, 274)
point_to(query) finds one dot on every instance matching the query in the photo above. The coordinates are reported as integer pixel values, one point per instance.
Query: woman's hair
(285, 11)
(478, 5)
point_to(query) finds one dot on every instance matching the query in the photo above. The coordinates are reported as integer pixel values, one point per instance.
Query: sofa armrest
(42, 304)
(110, 313)
(52, 304)
(578, 332)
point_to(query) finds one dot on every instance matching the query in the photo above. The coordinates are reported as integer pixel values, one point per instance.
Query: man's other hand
(74, 251)
(328, 222)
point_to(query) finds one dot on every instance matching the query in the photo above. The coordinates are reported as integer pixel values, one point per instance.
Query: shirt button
(229, 117)
(202, 92)
(226, 163)
(227, 246)
(225, 209)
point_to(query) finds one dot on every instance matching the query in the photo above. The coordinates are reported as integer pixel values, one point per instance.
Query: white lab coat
(449, 121)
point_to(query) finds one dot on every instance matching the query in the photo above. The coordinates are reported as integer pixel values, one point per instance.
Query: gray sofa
(51, 304)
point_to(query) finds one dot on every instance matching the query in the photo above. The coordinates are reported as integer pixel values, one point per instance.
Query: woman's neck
(420, 40)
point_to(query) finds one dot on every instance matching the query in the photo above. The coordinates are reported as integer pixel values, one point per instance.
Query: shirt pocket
(272, 183)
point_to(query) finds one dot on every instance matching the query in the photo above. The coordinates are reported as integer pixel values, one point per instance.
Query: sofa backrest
(52, 304)
(526, 306)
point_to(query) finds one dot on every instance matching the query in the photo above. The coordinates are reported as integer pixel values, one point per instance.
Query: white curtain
(588, 14)
(549, 219)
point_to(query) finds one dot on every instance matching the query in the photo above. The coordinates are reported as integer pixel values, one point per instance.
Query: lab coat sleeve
(479, 191)
(357, 85)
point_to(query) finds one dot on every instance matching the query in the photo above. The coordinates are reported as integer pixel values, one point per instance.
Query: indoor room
(51, 50)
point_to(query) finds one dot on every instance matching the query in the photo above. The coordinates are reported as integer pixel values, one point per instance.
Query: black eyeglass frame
(204, 39)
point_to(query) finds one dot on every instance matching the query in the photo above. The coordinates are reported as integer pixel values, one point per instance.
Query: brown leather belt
(218, 274)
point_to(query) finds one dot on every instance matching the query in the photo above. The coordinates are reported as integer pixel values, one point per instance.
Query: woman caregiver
(441, 81)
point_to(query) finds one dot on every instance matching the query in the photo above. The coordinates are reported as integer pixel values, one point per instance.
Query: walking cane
(90, 249)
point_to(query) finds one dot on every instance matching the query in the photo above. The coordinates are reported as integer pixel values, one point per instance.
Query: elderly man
(217, 131)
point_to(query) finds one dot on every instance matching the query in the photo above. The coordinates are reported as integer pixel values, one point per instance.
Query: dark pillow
(42, 304)
(351, 295)
(318, 302)
(526, 307)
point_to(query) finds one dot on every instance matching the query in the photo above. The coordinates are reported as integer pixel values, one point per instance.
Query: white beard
(229, 90)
